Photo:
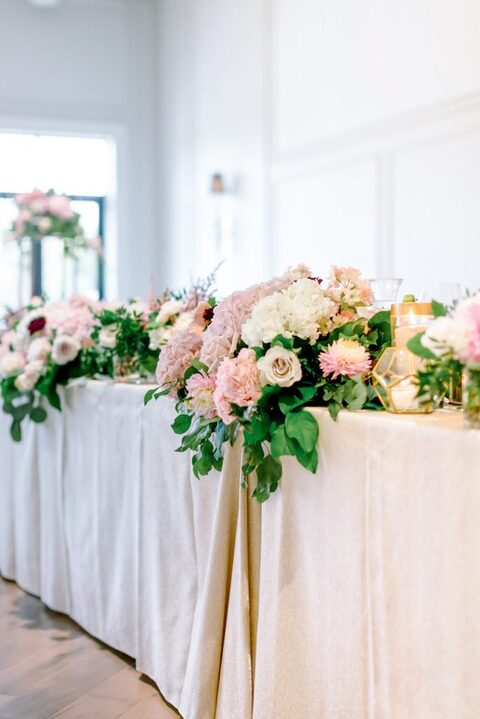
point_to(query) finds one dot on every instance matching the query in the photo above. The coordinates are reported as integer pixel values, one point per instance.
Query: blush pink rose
(237, 383)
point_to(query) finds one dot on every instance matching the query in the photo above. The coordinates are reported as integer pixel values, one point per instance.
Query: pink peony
(200, 388)
(344, 358)
(238, 383)
(177, 356)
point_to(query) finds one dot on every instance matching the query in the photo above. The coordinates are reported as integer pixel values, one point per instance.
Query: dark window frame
(100, 200)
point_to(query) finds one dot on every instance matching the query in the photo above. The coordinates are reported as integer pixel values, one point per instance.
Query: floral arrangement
(451, 346)
(265, 353)
(48, 344)
(127, 339)
(43, 214)
(41, 349)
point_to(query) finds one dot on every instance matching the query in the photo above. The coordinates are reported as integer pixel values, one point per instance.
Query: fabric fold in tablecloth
(350, 594)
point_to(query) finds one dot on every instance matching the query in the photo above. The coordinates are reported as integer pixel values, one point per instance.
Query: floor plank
(50, 668)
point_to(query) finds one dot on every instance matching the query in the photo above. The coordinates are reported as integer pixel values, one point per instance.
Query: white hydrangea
(447, 335)
(296, 311)
(307, 306)
(11, 363)
(267, 320)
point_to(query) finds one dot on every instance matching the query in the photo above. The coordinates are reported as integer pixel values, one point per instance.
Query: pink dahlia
(344, 358)
(177, 355)
(238, 383)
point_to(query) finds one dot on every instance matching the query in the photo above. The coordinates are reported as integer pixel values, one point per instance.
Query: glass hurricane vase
(126, 369)
(471, 396)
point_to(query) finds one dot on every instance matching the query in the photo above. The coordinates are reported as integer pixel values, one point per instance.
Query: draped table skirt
(351, 594)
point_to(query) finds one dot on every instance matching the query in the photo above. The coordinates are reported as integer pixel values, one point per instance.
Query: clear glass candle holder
(126, 369)
(408, 319)
(385, 291)
(395, 381)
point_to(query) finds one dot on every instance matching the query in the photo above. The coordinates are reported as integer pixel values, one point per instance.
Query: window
(82, 168)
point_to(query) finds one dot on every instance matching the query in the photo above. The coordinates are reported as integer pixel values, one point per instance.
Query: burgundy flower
(208, 314)
(37, 325)
(316, 279)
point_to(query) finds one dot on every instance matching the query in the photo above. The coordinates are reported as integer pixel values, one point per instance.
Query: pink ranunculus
(346, 358)
(177, 356)
(200, 388)
(237, 382)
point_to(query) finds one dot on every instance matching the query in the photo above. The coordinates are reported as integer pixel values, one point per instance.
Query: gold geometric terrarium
(394, 379)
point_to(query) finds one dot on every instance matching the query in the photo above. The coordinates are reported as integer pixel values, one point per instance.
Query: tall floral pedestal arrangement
(47, 222)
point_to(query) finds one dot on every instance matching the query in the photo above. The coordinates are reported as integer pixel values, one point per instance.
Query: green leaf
(16, 431)
(333, 409)
(355, 395)
(279, 445)
(182, 423)
(269, 473)
(149, 395)
(199, 365)
(439, 309)
(379, 318)
(302, 395)
(54, 398)
(309, 460)
(302, 427)
(253, 455)
(415, 345)
(257, 429)
(281, 341)
(38, 414)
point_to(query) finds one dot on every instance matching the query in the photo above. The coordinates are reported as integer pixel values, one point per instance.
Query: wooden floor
(49, 667)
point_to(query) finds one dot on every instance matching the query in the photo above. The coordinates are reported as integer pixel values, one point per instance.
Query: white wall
(89, 66)
(377, 122)
(213, 101)
(354, 128)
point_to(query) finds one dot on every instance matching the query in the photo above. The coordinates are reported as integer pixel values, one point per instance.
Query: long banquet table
(351, 594)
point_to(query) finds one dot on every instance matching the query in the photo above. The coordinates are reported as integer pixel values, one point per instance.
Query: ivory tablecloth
(352, 594)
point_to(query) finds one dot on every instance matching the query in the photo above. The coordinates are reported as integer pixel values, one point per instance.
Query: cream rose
(65, 349)
(279, 366)
(170, 309)
(11, 364)
(39, 349)
(27, 380)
